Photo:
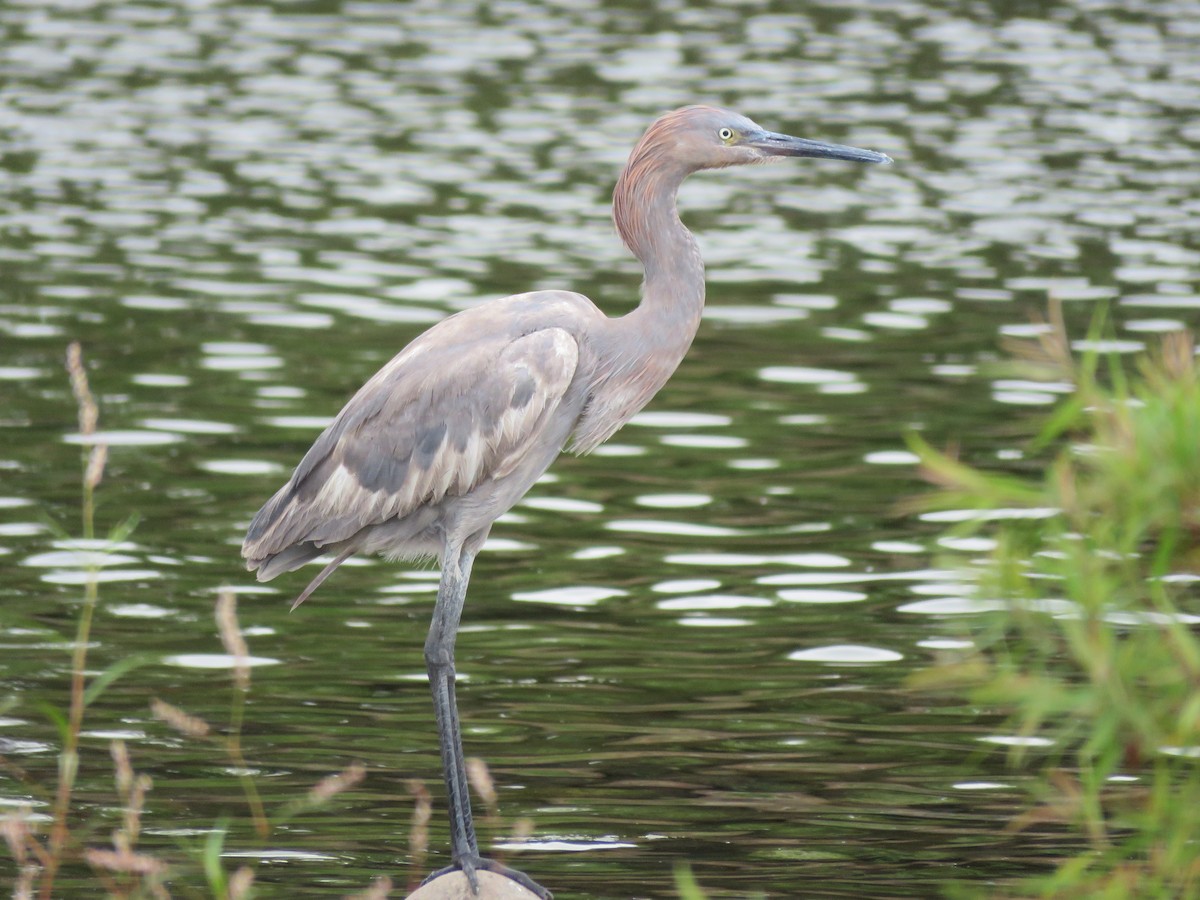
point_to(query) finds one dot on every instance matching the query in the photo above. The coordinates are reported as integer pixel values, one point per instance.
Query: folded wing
(437, 421)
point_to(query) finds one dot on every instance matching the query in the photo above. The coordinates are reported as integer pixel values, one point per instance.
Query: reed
(121, 869)
(1093, 644)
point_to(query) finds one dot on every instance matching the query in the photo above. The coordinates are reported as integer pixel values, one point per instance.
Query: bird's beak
(771, 144)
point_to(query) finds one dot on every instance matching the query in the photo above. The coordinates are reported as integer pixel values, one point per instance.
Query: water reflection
(820, 595)
(129, 437)
(244, 210)
(704, 602)
(848, 654)
(580, 595)
(216, 661)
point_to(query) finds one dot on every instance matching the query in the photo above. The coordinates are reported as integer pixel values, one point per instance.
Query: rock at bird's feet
(454, 886)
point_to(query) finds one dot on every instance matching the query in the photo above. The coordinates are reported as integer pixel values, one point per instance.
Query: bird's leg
(439, 660)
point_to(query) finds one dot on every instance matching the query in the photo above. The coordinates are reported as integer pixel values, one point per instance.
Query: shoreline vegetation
(1085, 634)
(43, 846)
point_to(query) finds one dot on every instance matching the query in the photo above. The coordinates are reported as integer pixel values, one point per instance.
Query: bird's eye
(725, 134)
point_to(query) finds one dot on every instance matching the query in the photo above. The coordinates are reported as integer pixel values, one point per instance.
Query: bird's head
(694, 138)
(706, 137)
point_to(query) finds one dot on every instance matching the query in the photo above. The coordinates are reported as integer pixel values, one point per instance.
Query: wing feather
(442, 417)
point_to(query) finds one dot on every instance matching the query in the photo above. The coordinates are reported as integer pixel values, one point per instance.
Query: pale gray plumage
(459, 425)
(453, 414)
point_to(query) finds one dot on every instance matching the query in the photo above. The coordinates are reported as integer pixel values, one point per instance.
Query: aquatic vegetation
(1093, 644)
(122, 869)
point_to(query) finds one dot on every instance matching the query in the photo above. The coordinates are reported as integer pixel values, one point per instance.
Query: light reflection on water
(849, 654)
(243, 210)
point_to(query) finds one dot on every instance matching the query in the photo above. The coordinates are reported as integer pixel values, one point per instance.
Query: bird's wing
(449, 412)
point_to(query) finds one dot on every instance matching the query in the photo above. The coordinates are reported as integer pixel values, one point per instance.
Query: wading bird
(459, 425)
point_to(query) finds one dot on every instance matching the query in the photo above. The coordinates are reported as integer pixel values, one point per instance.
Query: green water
(693, 644)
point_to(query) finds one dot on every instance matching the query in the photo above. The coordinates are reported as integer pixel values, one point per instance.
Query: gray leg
(439, 660)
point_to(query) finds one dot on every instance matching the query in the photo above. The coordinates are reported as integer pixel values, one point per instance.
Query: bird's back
(440, 441)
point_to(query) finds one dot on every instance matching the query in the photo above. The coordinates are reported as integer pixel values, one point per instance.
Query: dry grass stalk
(240, 883)
(23, 889)
(1051, 350)
(51, 856)
(333, 785)
(20, 842)
(124, 861)
(231, 637)
(17, 835)
(95, 467)
(1177, 356)
(235, 646)
(132, 790)
(522, 831)
(135, 805)
(187, 725)
(88, 413)
(122, 768)
(481, 781)
(418, 834)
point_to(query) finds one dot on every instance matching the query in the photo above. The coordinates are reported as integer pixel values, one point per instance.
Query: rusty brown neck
(645, 214)
(637, 352)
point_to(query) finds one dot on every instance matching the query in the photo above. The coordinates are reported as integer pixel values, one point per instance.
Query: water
(691, 645)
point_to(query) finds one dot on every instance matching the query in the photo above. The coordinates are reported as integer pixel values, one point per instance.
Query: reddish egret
(456, 428)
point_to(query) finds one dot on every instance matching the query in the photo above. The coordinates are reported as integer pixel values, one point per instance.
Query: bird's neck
(639, 351)
(673, 290)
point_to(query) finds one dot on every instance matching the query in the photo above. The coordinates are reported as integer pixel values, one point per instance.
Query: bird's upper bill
(769, 144)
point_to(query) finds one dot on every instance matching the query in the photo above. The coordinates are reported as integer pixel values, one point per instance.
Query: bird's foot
(469, 865)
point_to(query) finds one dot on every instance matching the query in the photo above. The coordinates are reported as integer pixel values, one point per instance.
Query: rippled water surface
(691, 645)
